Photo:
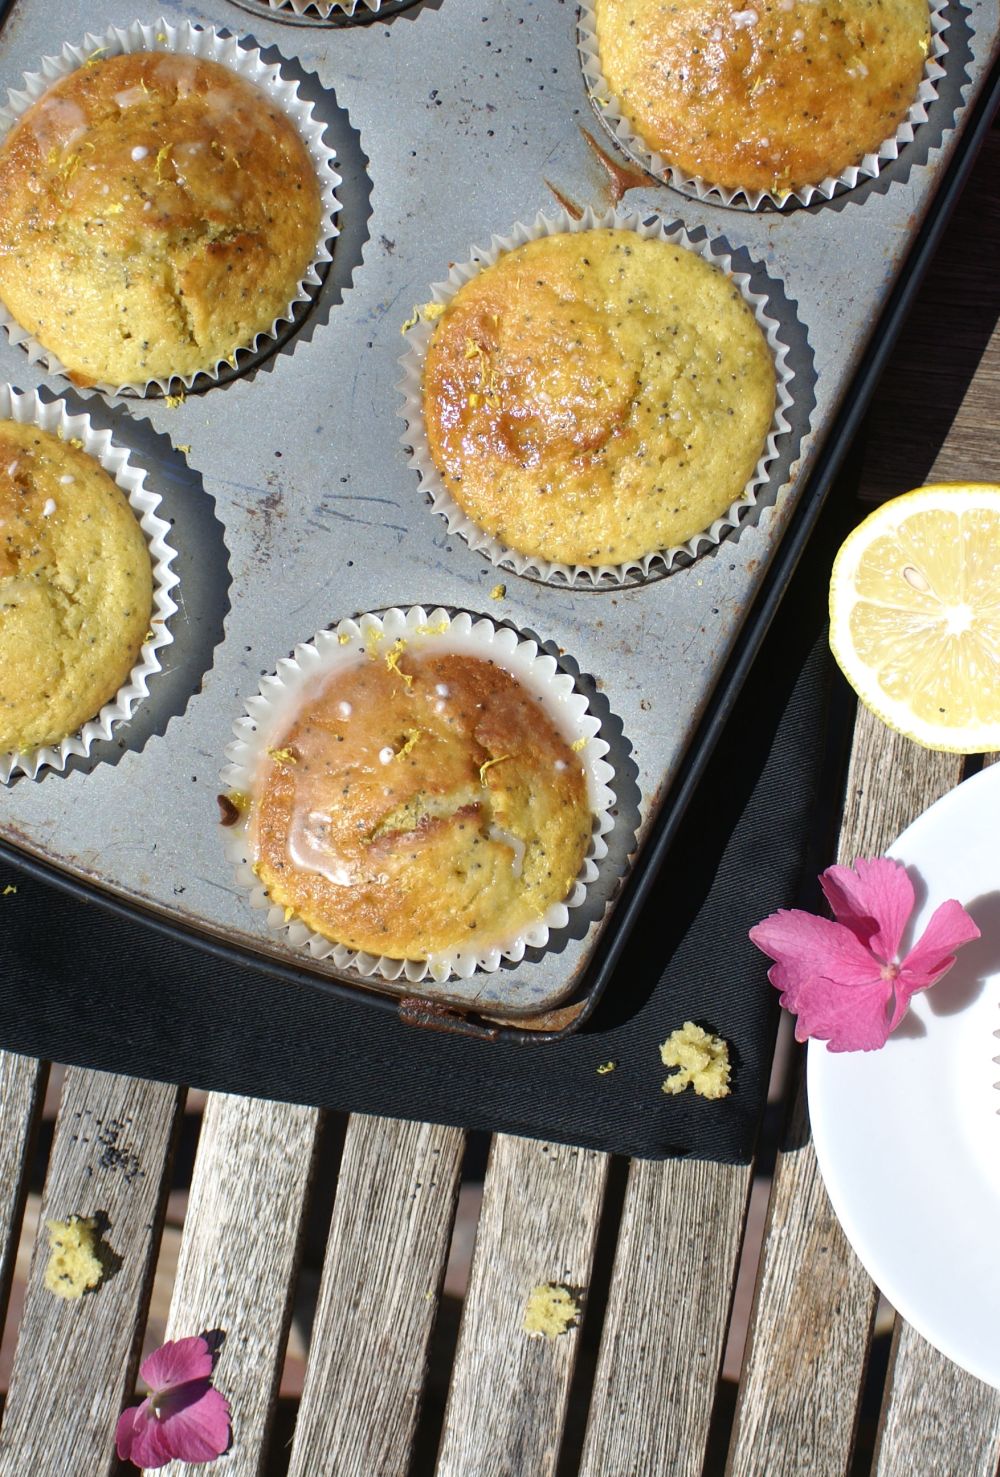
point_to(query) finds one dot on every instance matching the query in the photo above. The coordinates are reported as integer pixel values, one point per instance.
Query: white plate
(908, 1138)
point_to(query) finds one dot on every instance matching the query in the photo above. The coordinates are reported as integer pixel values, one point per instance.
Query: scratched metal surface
(295, 506)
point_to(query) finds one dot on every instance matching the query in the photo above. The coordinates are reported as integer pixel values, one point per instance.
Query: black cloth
(80, 985)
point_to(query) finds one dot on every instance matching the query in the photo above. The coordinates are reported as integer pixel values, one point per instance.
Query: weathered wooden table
(653, 1250)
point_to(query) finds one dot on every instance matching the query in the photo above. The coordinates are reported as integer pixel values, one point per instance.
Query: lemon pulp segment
(915, 615)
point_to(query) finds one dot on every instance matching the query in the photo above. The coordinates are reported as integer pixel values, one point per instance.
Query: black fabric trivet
(80, 985)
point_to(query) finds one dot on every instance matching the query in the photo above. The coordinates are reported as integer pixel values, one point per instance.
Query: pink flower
(183, 1417)
(843, 980)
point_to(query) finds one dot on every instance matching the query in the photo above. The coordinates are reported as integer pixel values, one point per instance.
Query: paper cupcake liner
(210, 45)
(340, 648)
(324, 8)
(29, 409)
(604, 576)
(606, 107)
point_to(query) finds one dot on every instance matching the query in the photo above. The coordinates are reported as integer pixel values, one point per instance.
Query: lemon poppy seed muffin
(774, 96)
(595, 396)
(420, 805)
(157, 212)
(76, 588)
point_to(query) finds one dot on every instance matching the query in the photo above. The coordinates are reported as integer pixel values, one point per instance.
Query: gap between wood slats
(239, 1256)
(75, 1362)
(668, 1311)
(22, 1092)
(507, 1404)
(378, 1298)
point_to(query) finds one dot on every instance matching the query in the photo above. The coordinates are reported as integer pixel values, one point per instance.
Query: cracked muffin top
(156, 213)
(76, 588)
(593, 397)
(781, 94)
(419, 803)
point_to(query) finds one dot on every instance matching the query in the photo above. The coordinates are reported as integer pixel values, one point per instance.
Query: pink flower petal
(848, 1017)
(149, 1445)
(934, 952)
(197, 1431)
(125, 1430)
(176, 1363)
(874, 899)
(806, 948)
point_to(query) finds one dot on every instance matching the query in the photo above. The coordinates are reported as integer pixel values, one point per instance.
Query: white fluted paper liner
(208, 44)
(324, 8)
(607, 576)
(606, 107)
(281, 696)
(28, 408)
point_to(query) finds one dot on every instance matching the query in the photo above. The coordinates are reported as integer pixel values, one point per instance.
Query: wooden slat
(239, 1256)
(75, 1362)
(937, 1420)
(507, 1405)
(378, 1299)
(665, 1326)
(22, 1089)
(815, 1304)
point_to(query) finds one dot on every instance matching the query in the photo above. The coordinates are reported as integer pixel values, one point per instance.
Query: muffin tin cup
(606, 107)
(341, 647)
(28, 408)
(208, 44)
(598, 576)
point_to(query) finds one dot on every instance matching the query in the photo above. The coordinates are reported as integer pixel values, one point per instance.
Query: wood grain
(507, 1405)
(239, 1256)
(936, 1419)
(22, 1089)
(665, 1325)
(378, 1299)
(815, 1304)
(75, 1362)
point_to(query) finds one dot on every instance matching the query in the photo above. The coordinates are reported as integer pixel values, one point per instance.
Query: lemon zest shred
(173, 401)
(578, 744)
(605, 1068)
(184, 446)
(489, 765)
(392, 657)
(423, 313)
(435, 630)
(412, 735)
(343, 638)
(283, 756)
(9, 889)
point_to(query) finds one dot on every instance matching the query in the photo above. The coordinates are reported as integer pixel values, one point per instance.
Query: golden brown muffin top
(773, 96)
(420, 803)
(156, 212)
(76, 587)
(594, 396)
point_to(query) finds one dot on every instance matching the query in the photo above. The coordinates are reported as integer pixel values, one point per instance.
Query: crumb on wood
(550, 1311)
(702, 1061)
(74, 1266)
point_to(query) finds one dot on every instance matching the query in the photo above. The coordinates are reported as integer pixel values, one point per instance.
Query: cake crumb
(498, 592)
(702, 1060)
(74, 1266)
(550, 1311)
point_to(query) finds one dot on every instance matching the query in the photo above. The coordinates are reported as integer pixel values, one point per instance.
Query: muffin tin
(293, 506)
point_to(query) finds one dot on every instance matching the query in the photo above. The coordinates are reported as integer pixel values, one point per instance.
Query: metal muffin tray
(295, 506)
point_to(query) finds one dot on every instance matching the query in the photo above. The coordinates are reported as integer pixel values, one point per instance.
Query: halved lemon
(915, 615)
